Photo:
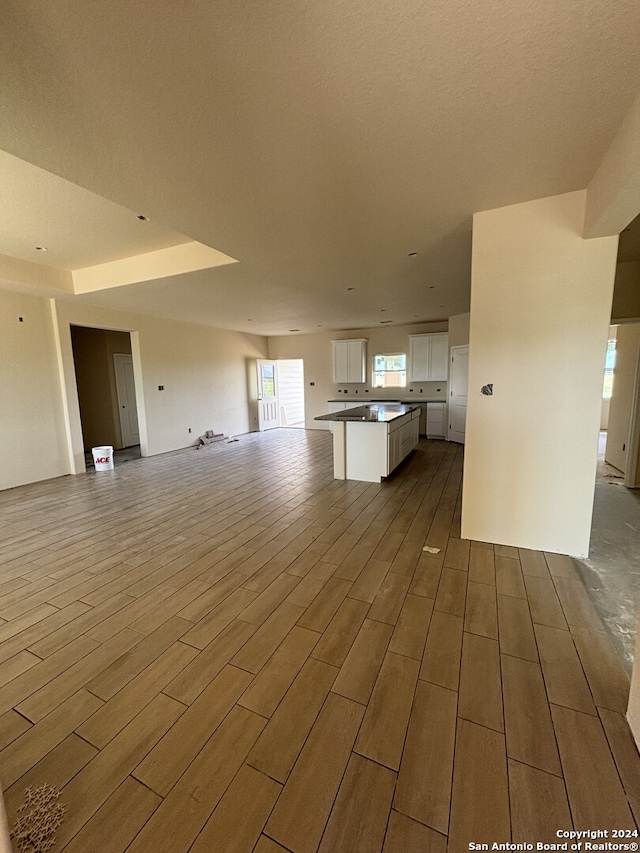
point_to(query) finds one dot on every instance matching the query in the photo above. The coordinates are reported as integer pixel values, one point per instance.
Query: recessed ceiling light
(41, 249)
(143, 218)
(412, 254)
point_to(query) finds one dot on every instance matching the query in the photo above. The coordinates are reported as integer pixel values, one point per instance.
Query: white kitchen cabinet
(436, 420)
(410, 436)
(428, 357)
(349, 360)
(394, 442)
(402, 438)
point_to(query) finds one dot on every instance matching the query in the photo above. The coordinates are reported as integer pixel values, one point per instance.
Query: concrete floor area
(612, 572)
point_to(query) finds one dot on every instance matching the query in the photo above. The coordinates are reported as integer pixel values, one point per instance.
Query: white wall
(317, 354)
(206, 373)
(540, 307)
(624, 376)
(613, 199)
(31, 429)
(459, 330)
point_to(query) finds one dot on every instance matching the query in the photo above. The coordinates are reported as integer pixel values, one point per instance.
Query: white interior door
(268, 413)
(126, 390)
(458, 385)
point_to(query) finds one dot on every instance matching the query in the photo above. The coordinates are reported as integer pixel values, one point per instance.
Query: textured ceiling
(316, 143)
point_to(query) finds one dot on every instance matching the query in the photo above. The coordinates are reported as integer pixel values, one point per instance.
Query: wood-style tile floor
(228, 650)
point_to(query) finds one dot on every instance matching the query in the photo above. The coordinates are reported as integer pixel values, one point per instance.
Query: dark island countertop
(373, 413)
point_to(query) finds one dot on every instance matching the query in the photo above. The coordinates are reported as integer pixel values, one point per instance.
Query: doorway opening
(611, 573)
(280, 393)
(106, 391)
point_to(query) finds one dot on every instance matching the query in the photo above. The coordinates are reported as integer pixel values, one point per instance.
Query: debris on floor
(209, 438)
(40, 816)
(431, 550)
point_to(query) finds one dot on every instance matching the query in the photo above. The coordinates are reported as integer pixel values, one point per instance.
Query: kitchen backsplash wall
(417, 390)
(317, 354)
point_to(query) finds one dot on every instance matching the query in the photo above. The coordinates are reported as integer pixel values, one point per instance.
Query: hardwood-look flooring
(228, 650)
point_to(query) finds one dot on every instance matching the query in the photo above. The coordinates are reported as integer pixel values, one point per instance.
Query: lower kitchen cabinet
(436, 420)
(373, 450)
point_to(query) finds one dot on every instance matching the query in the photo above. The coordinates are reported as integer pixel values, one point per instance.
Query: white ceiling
(316, 143)
(72, 227)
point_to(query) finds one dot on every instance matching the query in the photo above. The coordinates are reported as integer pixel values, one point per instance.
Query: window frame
(609, 369)
(403, 371)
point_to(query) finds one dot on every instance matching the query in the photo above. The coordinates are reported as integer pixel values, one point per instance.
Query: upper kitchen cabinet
(349, 360)
(428, 357)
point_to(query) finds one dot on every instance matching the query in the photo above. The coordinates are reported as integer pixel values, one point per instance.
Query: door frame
(274, 422)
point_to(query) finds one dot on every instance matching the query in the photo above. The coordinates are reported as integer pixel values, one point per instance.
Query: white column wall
(32, 433)
(540, 306)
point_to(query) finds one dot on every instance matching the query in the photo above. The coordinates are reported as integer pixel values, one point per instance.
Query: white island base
(369, 450)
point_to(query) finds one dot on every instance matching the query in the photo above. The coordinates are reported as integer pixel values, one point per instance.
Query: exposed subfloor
(229, 650)
(612, 571)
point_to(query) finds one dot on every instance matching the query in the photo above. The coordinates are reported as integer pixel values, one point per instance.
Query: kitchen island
(370, 441)
(433, 410)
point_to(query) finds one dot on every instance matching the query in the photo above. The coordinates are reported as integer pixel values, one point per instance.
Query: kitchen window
(390, 370)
